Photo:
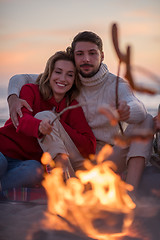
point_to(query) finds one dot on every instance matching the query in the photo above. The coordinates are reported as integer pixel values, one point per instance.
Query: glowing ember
(96, 202)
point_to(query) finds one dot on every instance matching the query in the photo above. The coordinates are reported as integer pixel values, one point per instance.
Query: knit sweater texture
(100, 90)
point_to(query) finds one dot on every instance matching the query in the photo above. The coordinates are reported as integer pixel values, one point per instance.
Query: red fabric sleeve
(78, 129)
(28, 125)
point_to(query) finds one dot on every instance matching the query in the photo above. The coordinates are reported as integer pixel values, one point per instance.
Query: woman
(20, 152)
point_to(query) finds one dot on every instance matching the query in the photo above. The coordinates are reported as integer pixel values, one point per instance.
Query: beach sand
(22, 221)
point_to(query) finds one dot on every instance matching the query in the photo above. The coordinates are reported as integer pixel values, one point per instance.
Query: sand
(23, 221)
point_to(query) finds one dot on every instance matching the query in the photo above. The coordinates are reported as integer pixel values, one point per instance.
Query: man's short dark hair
(87, 36)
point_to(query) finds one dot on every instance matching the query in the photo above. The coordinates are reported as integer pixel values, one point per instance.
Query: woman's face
(62, 78)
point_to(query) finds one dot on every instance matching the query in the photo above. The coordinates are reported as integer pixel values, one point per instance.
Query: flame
(97, 196)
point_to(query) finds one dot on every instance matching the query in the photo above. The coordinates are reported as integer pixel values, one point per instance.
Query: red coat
(21, 143)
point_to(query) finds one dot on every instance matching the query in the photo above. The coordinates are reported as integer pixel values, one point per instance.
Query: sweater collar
(97, 78)
(58, 106)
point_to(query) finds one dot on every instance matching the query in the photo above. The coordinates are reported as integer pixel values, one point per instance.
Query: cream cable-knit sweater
(96, 91)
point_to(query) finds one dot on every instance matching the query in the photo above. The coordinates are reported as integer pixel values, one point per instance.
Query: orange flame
(96, 194)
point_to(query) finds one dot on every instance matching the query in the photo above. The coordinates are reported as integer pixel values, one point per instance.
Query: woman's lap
(20, 173)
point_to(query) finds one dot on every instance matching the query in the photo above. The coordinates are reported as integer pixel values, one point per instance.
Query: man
(155, 158)
(98, 88)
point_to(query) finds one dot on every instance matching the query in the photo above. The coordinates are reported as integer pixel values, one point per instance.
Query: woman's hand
(45, 127)
(15, 104)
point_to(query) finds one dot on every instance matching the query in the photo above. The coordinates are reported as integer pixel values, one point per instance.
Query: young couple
(97, 88)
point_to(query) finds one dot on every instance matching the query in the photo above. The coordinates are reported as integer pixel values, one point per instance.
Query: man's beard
(88, 75)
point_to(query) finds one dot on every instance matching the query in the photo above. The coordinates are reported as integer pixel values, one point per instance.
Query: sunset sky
(32, 30)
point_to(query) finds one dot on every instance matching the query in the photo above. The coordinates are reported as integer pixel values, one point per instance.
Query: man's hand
(157, 122)
(45, 127)
(15, 104)
(124, 111)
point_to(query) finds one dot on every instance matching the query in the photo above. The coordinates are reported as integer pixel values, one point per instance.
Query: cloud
(29, 51)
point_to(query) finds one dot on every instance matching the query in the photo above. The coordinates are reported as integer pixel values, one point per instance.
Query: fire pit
(93, 206)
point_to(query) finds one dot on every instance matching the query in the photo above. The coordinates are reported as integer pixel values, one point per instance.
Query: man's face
(87, 58)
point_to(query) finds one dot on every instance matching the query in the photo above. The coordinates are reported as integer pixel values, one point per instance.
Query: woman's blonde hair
(43, 79)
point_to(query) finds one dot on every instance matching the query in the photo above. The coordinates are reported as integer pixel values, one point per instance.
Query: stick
(64, 110)
(67, 108)
(117, 85)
